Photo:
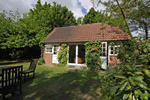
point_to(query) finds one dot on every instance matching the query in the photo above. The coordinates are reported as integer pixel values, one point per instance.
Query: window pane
(49, 48)
(104, 54)
(55, 52)
(111, 48)
(56, 49)
(111, 52)
(103, 44)
(101, 54)
(103, 49)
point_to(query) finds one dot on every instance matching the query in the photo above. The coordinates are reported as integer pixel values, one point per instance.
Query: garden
(55, 83)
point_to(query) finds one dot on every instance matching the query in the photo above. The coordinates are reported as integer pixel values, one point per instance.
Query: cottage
(76, 36)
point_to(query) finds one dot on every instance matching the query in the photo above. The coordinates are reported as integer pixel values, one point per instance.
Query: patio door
(55, 53)
(81, 54)
(104, 55)
(72, 54)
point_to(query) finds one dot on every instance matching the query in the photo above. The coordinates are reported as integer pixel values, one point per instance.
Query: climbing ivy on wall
(92, 57)
(62, 54)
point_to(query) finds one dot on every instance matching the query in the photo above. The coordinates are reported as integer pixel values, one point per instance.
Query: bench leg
(28, 75)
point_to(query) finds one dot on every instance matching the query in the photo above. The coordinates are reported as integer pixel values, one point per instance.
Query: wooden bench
(10, 80)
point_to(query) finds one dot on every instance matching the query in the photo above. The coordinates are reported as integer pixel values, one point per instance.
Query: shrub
(92, 58)
(62, 54)
(131, 79)
(41, 61)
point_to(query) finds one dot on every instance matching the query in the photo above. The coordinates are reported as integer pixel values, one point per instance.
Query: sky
(78, 7)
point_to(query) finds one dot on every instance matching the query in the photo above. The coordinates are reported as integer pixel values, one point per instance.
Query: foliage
(131, 79)
(118, 21)
(62, 54)
(98, 16)
(94, 17)
(92, 58)
(34, 27)
(135, 12)
(61, 65)
(79, 21)
(41, 61)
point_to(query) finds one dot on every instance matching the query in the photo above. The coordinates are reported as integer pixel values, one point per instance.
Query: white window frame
(102, 49)
(49, 45)
(113, 50)
(57, 49)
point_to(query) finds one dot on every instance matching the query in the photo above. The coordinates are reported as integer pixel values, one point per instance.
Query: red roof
(87, 32)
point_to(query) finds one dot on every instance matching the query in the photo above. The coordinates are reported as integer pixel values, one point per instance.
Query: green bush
(62, 54)
(131, 79)
(41, 61)
(92, 58)
(60, 65)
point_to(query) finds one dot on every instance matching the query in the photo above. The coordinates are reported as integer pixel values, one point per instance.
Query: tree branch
(124, 19)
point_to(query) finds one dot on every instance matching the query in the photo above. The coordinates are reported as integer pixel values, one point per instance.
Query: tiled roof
(87, 32)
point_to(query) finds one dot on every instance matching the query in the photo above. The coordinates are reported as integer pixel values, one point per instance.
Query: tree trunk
(124, 18)
(146, 30)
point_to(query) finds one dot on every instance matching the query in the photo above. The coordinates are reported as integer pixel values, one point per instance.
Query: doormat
(71, 66)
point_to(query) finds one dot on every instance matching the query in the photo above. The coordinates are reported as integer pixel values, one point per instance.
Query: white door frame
(54, 56)
(76, 55)
(104, 58)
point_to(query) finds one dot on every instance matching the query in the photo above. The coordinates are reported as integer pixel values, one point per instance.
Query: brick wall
(47, 57)
(114, 61)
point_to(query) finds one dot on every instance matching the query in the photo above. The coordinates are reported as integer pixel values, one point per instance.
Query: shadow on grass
(71, 85)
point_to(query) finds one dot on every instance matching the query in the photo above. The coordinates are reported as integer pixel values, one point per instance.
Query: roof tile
(87, 32)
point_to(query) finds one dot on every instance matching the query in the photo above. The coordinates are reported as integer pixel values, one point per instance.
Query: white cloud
(13, 5)
(25, 5)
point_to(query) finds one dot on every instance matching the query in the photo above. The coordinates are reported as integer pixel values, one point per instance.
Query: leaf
(147, 72)
(123, 86)
(146, 95)
(138, 73)
(113, 90)
(138, 78)
(137, 93)
(132, 82)
(122, 81)
(145, 50)
(128, 86)
(125, 96)
(142, 85)
(120, 76)
(130, 96)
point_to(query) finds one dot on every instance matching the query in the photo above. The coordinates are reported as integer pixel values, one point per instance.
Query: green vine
(62, 54)
(92, 58)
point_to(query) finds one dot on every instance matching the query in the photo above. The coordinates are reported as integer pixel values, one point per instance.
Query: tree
(135, 13)
(99, 16)
(94, 17)
(34, 27)
(80, 21)
(7, 28)
(89, 18)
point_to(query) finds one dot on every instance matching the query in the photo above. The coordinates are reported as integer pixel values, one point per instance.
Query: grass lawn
(57, 83)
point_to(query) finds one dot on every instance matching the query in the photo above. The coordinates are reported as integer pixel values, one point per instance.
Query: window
(114, 50)
(103, 49)
(56, 48)
(49, 48)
